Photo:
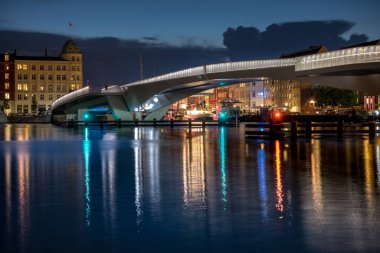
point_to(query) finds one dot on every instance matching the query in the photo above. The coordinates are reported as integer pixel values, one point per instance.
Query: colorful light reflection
(86, 155)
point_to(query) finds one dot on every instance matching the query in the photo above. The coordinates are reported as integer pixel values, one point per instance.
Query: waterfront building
(35, 82)
(7, 81)
(291, 95)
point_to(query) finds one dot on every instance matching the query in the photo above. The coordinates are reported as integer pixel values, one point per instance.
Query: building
(35, 82)
(291, 95)
(7, 80)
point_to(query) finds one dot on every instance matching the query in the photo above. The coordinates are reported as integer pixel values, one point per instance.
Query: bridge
(355, 68)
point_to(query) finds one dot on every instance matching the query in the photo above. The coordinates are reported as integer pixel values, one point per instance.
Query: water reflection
(194, 172)
(138, 134)
(23, 133)
(86, 145)
(306, 196)
(7, 132)
(8, 188)
(279, 186)
(378, 164)
(368, 172)
(108, 161)
(316, 181)
(23, 162)
(262, 181)
(222, 141)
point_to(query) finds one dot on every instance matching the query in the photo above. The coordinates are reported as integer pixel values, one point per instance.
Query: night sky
(177, 34)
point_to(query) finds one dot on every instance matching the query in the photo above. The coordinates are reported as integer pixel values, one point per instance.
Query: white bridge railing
(339, 58)
(70, 96)
(220, 67)
(246, 65)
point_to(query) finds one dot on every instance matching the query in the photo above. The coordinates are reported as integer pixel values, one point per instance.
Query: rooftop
(308, 51)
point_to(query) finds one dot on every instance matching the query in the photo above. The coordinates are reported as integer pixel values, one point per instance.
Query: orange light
(277, 115)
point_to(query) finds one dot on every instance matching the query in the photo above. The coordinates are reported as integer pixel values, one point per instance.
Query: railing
(338, 58)
(220, 67)
(136, 123)
(71, 95)
(245, 65)
(178, 74)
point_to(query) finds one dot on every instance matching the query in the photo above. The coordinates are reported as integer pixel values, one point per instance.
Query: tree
(34, 104)
(327, 96)
(5, 104)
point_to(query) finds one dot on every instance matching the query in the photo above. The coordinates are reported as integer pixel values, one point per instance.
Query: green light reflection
(222, 141)
(86, 155)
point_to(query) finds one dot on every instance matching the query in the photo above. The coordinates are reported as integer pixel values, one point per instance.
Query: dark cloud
(150, 38)
(109, 60)
(249, 43)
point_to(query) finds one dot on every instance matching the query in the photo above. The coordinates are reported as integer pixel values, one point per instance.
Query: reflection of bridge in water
(355, 68)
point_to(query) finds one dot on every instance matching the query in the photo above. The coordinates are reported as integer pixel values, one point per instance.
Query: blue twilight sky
(180, 22)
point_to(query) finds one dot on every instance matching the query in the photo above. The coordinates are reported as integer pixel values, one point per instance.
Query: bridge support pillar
(119, 108)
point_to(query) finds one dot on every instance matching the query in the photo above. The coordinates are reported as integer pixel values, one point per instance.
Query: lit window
(6, 76)
(19, 66)
(24, 66)
(19, 86)
(6, 57)
(25, 86)
(6, 95)
(7, 67)
(41, 87)
(72, 77)
(6, 86)
(72, 87)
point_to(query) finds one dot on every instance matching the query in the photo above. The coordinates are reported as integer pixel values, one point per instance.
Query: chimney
(45, 52)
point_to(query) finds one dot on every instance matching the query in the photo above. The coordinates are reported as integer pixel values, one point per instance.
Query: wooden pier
(310, 129)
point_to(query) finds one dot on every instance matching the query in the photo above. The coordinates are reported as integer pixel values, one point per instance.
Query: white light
(155, 100)
(136, 109)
